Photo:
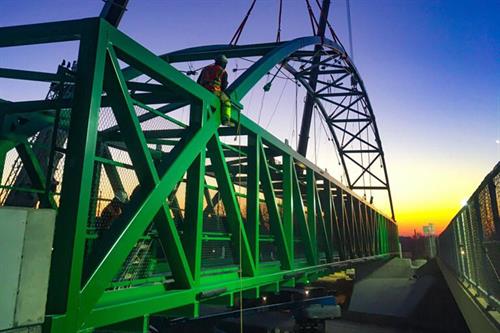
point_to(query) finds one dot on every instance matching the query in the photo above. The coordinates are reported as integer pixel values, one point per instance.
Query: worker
(113, 210)
(214, 78)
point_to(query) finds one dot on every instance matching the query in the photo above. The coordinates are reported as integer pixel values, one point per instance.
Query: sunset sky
(431, 68)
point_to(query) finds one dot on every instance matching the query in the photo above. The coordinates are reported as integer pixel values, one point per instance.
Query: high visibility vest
(211, 77)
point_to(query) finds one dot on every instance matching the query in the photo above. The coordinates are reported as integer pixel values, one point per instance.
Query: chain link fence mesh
(470, 243)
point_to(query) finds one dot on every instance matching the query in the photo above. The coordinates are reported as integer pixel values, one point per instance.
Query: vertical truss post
(366, 218)
(380, 234)
(363, 228)
(320, 217)
(376, 233)
(288, 206)
(371, 229)
(253, 197)
(235, 222)
(275, 220)
(359, 233)
(195, 185)
(336, 231)
(299, 213)
(385, 235)
(351, 227)
(71, 221)
(339, 214)
(326, 203)
(96, 181)
(358, 225)
(311, 210)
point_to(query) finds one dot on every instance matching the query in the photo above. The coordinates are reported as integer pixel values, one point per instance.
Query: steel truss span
(213, 211)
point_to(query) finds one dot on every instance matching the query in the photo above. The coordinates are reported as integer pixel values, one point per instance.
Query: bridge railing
(470, 244)
(213, 212)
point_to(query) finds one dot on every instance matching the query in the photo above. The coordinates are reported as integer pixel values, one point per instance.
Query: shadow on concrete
(395, 294)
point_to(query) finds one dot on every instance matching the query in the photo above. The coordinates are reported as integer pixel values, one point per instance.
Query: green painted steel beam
(148, 116)
(144, 166)
(131, 303)
(193, 221)
(33, 75)
(325, 197)
(34, 106)
(110, 264)
(159, 114)
(299, 214)
(45, 32)
(312, 214)
(36, 174)
(253, 196)
(321, 217)
(71, 221)
(226, 188)
(287, 205)
(275, 220)
(319, 204)
(148, 63)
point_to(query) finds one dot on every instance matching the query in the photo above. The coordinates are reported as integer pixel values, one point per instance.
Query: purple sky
(431, 68)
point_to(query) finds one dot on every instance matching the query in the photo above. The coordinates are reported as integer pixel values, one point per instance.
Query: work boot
(227, 122)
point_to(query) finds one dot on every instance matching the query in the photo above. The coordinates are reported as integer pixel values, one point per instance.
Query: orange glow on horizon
(432, 191)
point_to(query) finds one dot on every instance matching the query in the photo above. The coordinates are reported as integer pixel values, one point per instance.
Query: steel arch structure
(340, 96)
(218, 220)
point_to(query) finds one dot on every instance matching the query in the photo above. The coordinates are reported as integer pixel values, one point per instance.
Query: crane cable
(238, 32)
(330, 28)
(277, 104)
(315, 136)
(312, 18)
(349, 28)
(278, 33)
(262, 100)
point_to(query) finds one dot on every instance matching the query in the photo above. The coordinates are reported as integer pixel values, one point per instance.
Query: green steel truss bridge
(216, 213)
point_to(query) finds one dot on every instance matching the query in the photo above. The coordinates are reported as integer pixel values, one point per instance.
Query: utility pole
(313, 79)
